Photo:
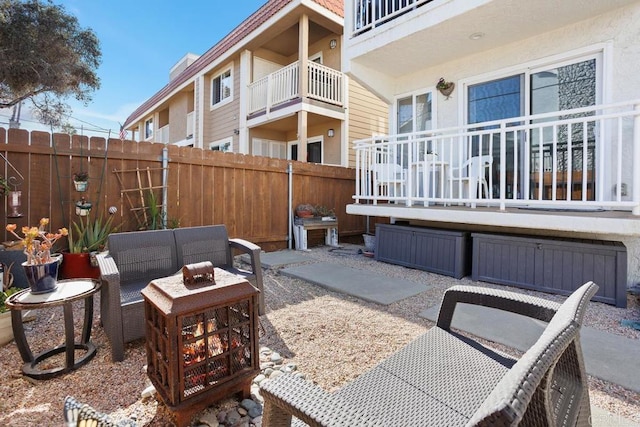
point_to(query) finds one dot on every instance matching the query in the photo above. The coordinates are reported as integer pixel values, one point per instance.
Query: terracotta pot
(78, 266)
(304, 214)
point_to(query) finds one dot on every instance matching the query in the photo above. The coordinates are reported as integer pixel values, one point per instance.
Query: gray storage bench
(552, 265)
(445, 379)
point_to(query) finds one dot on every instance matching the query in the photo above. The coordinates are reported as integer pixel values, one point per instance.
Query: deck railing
(191, 124)
(163, 134)
(325, 84)
(368, 14)
(587, 158)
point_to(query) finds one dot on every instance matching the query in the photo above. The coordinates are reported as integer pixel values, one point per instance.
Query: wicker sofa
(446, 379)
(136, 258)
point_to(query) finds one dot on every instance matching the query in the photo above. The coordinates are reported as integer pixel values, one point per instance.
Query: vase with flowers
(41, 267)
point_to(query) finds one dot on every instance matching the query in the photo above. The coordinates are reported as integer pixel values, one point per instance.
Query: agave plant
(89, 235)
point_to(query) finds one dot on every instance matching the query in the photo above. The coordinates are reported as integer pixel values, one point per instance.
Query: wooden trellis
(140, 188)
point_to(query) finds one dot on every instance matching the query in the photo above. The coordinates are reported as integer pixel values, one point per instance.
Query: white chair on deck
(472, 175)
(388, 179)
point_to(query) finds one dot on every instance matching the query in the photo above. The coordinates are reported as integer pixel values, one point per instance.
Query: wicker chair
(136, 258)
(444, 378)
(211, 243)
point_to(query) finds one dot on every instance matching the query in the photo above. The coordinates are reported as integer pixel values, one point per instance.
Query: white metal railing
(368, 14)
(325, 84)
(163, 134)
(583, 158)
(191, 124)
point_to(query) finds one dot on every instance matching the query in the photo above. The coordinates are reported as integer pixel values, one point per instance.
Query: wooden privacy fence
(250, 195)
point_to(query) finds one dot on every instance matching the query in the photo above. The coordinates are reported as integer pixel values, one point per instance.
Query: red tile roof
(259, 17)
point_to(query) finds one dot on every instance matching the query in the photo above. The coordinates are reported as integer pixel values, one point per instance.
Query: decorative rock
(276, 358)
(148, 392)
(248, 404)
(299, 375)
(233, 417)
(222, 416)
(275, 374)
(268, 371)
(260, 378)
(266, 365)
(243, 412)
(257, 421)
(256, 411)
(209, 419)
(292, 366)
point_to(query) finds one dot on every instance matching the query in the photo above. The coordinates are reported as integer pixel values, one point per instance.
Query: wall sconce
(330, 133)
(15, 199)
(236, 131)
(333, 43)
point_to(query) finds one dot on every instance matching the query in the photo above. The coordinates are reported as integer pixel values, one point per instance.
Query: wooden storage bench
(439, 251)
(552, 265)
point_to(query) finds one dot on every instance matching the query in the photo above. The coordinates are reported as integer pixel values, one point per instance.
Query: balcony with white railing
(368, 14)
(191, 124)
(163, 134)
(276, 89)
(582, 159)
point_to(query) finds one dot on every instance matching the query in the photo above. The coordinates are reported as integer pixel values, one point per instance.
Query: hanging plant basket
(81, 186)
(83, 207)
(447, 91)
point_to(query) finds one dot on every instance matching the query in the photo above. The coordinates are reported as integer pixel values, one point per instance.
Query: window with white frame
(414, 113)
(223, 145)
(148, 128)
(222, 88)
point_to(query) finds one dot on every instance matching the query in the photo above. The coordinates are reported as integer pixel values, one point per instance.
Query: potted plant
(41, 267)
(84, 237)
(4, 187)
(6, 331)
(305, 210)
(324, 212)
(81, 180)
(445, 87)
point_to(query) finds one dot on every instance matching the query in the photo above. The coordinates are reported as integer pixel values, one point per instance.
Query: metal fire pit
(201, 340)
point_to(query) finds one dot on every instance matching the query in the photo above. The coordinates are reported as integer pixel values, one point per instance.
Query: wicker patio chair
(444, 378)
(134, 259)
(211, 243)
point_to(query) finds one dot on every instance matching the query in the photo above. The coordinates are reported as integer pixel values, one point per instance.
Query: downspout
(165, 183)
(290, 177)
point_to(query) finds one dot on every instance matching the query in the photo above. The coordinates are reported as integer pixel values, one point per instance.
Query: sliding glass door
(562, 149)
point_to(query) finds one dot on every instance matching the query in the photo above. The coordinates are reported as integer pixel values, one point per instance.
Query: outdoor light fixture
(330, 133)
(333, 43)
(15, 199)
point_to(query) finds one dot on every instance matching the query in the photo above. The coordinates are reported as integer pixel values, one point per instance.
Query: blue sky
(140, 41)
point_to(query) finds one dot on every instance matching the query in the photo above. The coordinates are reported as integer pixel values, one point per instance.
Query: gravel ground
(332, 338)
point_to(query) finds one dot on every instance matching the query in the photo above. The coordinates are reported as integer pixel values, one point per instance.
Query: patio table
(65, 294)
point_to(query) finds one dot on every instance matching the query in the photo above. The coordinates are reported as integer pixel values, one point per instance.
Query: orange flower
(37, 241)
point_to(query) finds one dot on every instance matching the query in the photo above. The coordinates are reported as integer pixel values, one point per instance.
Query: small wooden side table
(65, 294)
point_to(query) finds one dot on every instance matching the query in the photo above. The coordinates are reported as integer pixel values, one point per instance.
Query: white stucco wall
(618, 30)
(616, 33)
